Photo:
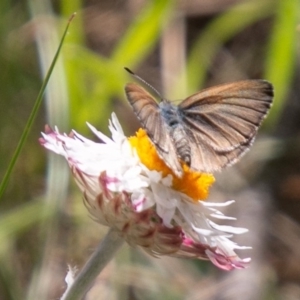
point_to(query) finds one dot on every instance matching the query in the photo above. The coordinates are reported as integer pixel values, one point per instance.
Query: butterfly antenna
(145, 82)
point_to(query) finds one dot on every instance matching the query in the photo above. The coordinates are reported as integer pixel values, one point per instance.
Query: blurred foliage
(219, 31)
(260, 37)
(281, 58)
(103, 78)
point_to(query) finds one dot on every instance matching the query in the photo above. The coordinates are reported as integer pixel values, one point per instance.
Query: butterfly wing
(221, 122)
(148, 113)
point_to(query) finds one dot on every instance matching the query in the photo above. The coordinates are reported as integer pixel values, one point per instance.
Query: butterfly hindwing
(221, 122)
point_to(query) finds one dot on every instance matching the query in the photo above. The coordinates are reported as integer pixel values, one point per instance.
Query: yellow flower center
(192, 183)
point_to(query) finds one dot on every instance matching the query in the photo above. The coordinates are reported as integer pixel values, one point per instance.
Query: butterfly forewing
(148, 112)
(222, 121)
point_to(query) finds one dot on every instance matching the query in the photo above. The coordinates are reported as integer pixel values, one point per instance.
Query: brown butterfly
(208, 130)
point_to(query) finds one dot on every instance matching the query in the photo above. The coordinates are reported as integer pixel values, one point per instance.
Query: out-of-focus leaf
(143, 33)
(94, 80)
(220, 30)
(282, 54)
(21, 219)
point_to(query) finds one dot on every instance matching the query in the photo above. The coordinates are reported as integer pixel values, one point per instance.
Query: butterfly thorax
(170, 115)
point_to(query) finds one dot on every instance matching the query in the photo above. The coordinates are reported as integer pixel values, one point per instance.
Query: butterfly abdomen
(171, 117)
(181, 144)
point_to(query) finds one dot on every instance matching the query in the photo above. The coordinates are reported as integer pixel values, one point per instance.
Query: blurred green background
(179, 47)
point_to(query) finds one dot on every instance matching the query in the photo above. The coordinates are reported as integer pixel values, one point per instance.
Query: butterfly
(207, 131)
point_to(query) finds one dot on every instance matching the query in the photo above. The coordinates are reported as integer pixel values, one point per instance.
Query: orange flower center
(194, 184)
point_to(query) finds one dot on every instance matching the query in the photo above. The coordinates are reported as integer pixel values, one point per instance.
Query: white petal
(219, 204)
(99, 134)
(222, 217)
(229, 229)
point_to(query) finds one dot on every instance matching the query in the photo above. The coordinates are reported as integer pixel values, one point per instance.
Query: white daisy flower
(127, 187)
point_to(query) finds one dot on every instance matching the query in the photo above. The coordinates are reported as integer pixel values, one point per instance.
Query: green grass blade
(33, 114)
(77, 36)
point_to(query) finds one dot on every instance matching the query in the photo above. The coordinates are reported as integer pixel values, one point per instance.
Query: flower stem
(100, 258)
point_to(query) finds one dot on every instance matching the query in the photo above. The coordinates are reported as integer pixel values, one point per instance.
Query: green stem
(100, 258)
